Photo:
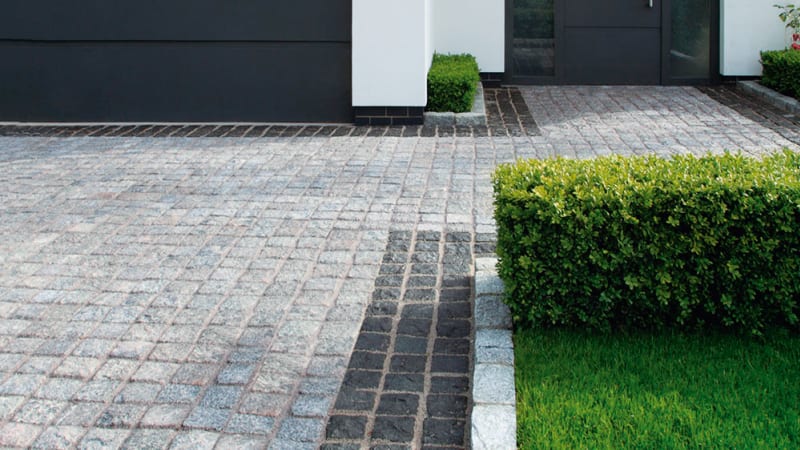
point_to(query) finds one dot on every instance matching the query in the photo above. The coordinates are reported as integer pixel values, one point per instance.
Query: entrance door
(612, 42)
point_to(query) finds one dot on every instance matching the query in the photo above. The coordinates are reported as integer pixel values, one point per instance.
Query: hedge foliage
(782, 71)
(646, 242)
(452, 81)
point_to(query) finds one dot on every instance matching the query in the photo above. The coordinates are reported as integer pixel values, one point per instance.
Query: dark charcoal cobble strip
(757, 110)
(506, 115)
(407, 382)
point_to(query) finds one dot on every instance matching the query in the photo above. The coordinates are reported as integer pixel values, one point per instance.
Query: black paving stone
(449, 385)
(424, 269)
(389, 281)
(458, 237)
(455, 295)
(373, 342)
(453, 328)
(452, 281)
(423, 258)
(398, 404)
(414, 345)
(447, 406)
(377, 324)
(395, 258)
(411, 131)
(398, 245)
(407, 364)
(414, 327)
(417, 311)
(393, 429)
(386, 294)
(367, 360)
(450, 363)
(382, 309)
(420, 295)
(362, 379)
(443, 431)
(452, 346)
(426, 246)
(405, 382)
(455, 310)
(429, 236)
(342, 131)
(346, 427)
(422, 281)
(355, 400)
(392, 269)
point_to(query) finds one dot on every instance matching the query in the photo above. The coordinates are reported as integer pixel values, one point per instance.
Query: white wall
(747, 27)
(472, 26)
(392, 44)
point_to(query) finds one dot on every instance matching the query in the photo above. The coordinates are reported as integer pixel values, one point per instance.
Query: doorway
(635, 42)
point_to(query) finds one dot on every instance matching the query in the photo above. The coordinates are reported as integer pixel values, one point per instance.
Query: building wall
(392, 44)
(747, 27)
(472, 26)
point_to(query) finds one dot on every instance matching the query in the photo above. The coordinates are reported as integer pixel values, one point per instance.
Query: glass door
(532, 52)
(692, 26)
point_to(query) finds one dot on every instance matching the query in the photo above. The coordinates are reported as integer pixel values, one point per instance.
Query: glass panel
(534, 38)
(690, 51)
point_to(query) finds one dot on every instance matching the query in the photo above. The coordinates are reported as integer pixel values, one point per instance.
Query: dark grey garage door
(175, 60)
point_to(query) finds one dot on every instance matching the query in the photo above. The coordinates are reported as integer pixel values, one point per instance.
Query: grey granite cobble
(493, 419)
(137, 263)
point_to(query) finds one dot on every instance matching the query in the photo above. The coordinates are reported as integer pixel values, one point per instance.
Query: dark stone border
(408, 380)
(506, 115)
(757, 110)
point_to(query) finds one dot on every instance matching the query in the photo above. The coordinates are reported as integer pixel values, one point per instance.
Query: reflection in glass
(691, 39)
(534, 39)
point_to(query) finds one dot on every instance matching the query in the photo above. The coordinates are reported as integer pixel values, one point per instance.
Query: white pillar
(746, 28)
(392, 50)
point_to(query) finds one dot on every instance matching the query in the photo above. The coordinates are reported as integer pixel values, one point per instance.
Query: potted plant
(790, 15)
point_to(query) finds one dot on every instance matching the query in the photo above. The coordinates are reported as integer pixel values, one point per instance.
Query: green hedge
(646, 242)
(452, 81)
(782, 71)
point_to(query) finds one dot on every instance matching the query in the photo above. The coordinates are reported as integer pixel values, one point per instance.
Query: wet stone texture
(407, 383)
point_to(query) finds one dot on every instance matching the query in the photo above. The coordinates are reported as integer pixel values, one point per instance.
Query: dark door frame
(714, 76)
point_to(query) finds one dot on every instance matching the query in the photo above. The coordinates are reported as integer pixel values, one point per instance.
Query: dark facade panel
(616, 13)
(176, 20)
(612, 56)
(181, 82)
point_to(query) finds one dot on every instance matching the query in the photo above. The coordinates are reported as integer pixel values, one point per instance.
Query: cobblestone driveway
(201, 292)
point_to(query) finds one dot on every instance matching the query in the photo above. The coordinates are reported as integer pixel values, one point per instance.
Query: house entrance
(639, 42)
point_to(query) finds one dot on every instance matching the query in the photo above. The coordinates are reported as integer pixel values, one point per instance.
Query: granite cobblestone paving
(221, 291)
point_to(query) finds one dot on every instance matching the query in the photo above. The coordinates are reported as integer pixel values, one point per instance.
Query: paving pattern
(208, 292)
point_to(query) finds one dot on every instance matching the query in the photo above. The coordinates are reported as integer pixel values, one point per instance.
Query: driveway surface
(208, 292)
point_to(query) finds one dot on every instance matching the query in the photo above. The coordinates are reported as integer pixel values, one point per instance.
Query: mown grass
(656, 391)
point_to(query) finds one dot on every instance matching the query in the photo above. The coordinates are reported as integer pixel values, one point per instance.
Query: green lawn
(657, 391)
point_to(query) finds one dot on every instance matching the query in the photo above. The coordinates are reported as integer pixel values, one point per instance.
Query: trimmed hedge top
(646, 242)
(782, 71)
(452, 81)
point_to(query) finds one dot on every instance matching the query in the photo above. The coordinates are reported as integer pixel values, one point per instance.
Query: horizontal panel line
(610, 27)
(178, 42)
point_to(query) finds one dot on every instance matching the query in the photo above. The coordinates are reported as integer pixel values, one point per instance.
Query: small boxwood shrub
(782, 71)
(646, 242)
(452, 81)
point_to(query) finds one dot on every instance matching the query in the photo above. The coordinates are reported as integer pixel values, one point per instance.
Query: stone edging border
(776, 99)
(494, 414)
(476, 116)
